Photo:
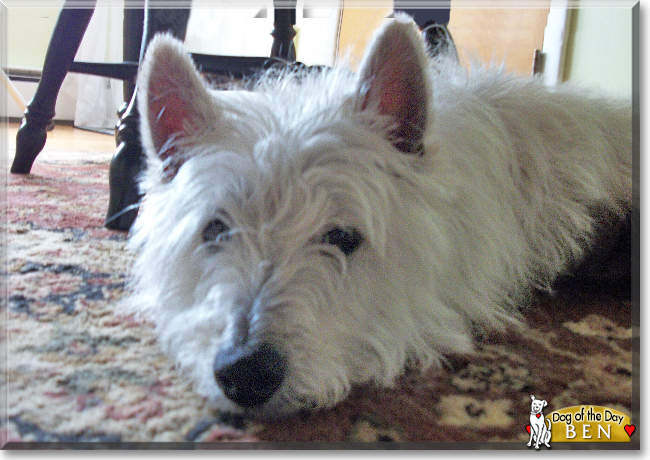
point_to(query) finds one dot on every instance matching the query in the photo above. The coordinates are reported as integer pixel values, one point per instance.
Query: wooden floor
(63, 140)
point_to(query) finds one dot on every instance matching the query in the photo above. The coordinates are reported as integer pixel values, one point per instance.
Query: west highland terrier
(327, 229)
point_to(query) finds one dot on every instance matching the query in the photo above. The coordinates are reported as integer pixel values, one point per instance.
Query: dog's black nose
(250, 376)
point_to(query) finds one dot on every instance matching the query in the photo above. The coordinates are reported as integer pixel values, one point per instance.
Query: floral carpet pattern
(78, 370)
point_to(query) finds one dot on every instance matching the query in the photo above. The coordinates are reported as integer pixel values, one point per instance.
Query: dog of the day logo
(591, 424)
(583, 423)
(540, 427)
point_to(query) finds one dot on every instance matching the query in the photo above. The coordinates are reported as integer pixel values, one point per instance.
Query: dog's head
(537, 405)
(285, 246)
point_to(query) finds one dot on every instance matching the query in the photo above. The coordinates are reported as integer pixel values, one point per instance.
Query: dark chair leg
(439, 41)
(133, 27)
(283, 32)
(129, 160)
(66, 38)
(127, 164)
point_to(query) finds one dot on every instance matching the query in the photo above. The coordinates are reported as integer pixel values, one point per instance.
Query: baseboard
(56, 122)
(23, 74)
(26, 83)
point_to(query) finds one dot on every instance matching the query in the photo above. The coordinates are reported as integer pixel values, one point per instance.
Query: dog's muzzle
(249, 376)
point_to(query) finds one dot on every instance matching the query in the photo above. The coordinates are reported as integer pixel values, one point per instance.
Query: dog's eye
(347, 240)
(215, 230)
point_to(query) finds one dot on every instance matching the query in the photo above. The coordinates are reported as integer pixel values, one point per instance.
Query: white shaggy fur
(501, 199)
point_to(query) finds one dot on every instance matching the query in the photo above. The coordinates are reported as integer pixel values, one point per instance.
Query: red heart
(528, 428)
(629, 429)
(539, 415)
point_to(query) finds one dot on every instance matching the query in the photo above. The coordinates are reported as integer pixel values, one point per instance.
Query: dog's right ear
(394, 82)
(173, 102)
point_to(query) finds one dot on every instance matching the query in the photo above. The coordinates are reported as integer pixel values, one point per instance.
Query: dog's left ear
(393, 79)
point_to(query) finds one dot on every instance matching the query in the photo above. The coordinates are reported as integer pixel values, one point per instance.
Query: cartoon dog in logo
(540, 431)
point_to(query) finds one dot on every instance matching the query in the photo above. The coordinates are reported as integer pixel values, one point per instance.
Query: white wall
(599, 51)
(28, 36)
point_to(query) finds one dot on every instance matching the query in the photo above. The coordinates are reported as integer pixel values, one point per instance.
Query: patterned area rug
(78, 371)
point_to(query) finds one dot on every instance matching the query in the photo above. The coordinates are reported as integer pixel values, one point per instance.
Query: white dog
(328, 228)
(540, 431)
